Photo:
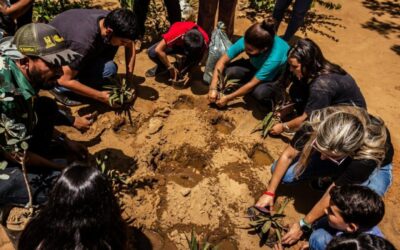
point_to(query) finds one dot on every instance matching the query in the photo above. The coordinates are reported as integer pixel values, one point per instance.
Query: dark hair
(261, 35)
(359, 242)
(123, 23)
(313, 62)
(193, 42)
(358, 204)
(81, 213)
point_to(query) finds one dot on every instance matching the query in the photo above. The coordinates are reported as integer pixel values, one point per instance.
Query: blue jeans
(13, 190)
(300, 9)
(379, 181)
(322, 234)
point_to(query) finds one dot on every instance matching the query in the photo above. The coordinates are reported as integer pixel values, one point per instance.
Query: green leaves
(121, 95)
(267, 123)
(46, 10)
(194, 244)
(3, 165)
(226, 85)
(268, 225)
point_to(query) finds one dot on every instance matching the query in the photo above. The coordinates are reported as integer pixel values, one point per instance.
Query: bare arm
(280, 170)
(130, 59)
(17, 9)
(160, 51)
(244, 89)
(68, 81)
(219, 66)
(33, 160)
(293, 125)
(295, 233)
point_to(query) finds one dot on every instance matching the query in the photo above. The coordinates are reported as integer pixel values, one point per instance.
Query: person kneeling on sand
(82, 213)
(25, 116)
(344, 143)
(259, 74)
(96, 35)
(184, 38)
(316, 84)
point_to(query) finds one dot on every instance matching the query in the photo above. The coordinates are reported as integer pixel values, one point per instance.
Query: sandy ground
(190, 166)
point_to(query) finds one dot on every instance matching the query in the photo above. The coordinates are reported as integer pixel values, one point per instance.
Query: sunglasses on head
(336, 161)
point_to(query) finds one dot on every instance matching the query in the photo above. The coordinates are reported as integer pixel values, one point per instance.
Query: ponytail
(261, 35)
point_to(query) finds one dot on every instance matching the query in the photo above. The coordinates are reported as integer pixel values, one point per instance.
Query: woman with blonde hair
(342, 142)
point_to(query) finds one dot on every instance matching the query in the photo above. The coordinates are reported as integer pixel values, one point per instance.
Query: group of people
(337, 144)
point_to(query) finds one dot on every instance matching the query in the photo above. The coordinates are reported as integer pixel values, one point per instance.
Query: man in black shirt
(96, 35)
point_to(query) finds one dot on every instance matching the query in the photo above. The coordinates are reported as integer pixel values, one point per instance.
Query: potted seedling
(121, 97)
(269, 226)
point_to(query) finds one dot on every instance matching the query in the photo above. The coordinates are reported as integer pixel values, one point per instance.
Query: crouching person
(352, 209)
(184, 38)
(27, 117)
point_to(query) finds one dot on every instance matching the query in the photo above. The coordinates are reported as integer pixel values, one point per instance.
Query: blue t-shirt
(268, 64)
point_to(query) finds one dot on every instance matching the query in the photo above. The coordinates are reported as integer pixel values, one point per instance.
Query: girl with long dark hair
(82, 213)
(267, 58)
(316, 84)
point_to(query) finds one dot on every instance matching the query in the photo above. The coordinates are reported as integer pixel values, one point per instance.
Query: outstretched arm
(17, 9)
(67, 80)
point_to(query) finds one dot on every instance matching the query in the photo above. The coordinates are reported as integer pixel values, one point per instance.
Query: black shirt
(80, 28)
(326, 90)
(351, 171)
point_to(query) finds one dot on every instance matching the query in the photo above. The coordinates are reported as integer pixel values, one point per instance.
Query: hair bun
(268, 24)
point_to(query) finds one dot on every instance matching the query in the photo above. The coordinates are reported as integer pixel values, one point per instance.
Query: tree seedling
(269, 226)
(121, 97)
(194, 244)
(267, 123)
(225, 85)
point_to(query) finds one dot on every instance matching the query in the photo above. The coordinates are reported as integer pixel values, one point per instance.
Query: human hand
(173, 73)
(222, 101)
(305, 246)
(84, 122)
(277, 129)
(212, 95)
(104, 96)
(265, 201)
(278, 246)
(293, 235)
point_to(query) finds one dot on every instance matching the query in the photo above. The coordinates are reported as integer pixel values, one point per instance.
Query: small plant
(46, 10)
(121, 97)
(225, 85)
(194, 244)
(267, 225)
(119, 180)
(13, 140)
(267, 123)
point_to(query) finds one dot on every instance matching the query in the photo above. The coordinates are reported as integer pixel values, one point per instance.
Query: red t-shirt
(174, 35)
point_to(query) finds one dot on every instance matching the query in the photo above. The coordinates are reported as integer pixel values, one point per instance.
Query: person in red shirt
(186, 38)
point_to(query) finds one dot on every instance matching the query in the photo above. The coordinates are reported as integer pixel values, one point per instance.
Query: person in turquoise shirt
(258, 75)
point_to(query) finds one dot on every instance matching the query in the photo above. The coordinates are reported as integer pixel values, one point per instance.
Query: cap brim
(61, 58)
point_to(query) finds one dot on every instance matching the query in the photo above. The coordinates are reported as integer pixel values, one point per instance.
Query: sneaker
(155, 72)
(62, 98)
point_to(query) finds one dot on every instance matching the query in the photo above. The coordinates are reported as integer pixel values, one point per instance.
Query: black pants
(141, 7)
(190, 61)
(264, 92)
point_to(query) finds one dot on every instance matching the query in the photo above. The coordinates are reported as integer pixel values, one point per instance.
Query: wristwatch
(304, 226)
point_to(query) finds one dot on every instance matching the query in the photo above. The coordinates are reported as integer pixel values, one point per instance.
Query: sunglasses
(336, 161)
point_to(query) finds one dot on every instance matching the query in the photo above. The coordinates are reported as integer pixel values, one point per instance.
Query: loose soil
(192, 166)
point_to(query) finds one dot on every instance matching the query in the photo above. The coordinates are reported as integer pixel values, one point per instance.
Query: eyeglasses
(336, 161)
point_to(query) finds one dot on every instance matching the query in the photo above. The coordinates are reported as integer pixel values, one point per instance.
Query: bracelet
(303, 224)
(269, 193)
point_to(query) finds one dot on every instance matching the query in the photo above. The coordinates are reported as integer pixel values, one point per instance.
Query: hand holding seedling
(212, 95)
(173, 73)
(277, 129)
(222, 101)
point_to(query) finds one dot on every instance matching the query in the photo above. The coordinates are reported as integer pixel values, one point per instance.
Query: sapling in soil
(194, 244)
(269, 226)
(121, 97)
(267, 123)
(226, 86)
